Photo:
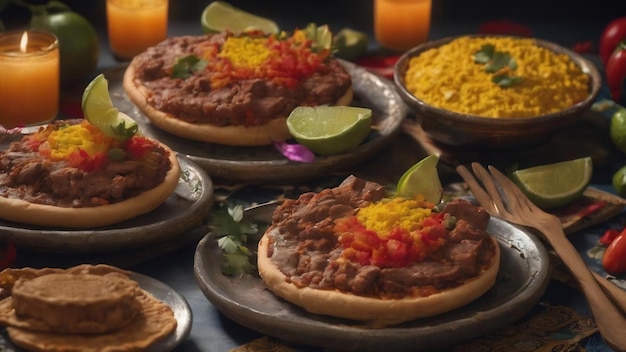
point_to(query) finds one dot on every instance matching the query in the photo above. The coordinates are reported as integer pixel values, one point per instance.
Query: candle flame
(24, 42)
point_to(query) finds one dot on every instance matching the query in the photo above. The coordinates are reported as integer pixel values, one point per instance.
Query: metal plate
(521, 281)
(183, 211)
(258, 165)
(162, 292)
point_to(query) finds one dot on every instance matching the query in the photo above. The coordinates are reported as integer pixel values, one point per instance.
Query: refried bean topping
(248, 79)
(354, 239)
(72, 164)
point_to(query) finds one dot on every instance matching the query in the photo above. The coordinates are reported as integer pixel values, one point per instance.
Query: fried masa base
(154, 322)
(274, 131)
(375, 312)
(52, 216)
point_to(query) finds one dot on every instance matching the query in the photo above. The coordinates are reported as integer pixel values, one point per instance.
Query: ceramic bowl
(459, 129)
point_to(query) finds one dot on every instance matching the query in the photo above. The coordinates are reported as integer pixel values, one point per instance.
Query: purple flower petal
(295, 152)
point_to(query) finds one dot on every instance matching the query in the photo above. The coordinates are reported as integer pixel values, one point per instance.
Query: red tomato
(614, 260)
(612, 35)
(616, 71)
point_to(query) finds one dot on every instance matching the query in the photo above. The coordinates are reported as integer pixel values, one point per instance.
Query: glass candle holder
(29, 78)
(135, 25)
(399, 25)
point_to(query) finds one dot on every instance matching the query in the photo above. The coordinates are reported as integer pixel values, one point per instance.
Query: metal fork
(502, 198)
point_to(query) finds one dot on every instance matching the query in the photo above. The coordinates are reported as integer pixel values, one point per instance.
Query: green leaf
(125, 132)
(505, 81)
(236, 264)
(498, 62)
(227, 245)
(484, 55)
(186, 66)
(228, 224)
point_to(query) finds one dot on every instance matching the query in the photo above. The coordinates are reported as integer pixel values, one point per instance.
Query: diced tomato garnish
(137, 146)
(396, 249)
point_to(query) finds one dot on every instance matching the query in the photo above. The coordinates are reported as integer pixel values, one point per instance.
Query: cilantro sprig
(232, 232)
(186, 66)
(500, 63)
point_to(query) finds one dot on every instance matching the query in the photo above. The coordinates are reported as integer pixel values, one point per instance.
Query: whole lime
(618, 129)
(619, 181)
(78, 43)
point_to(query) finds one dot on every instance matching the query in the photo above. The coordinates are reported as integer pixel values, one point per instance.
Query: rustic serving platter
(521, 281)
(183, 211)
(258, 165)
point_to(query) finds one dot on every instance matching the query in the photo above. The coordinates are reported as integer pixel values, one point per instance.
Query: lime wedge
(554, 185)
(100, 112)
(349, 44)
(421, 179)
(219, 16)
(327, 130)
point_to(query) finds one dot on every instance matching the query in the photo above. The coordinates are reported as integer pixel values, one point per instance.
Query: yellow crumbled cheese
(245, 52)
(383, 216)
(65, 141)
(447, 77)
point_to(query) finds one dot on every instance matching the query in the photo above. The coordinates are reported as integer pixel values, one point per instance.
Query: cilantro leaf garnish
(505, 80)
(232, 233)
(484, 55)
(186, 66)
(125, 132)
(500, 63)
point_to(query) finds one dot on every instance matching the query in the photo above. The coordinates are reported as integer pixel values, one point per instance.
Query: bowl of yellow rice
(495, 91)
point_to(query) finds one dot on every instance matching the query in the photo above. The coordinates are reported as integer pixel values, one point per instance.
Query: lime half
(219, 16)
(100, 112)
(555, 185)
(327, 130)
(421, 179)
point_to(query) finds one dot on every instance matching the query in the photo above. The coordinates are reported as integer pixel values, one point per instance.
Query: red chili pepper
(613, 34)
(616, 71)
(614, 260)
(608, 237)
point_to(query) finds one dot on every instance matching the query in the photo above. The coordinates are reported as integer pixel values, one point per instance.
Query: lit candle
(135, 25)
(400, 25)
(29, 78)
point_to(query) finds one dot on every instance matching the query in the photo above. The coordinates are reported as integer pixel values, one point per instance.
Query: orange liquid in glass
(135, 25)
(400, 25)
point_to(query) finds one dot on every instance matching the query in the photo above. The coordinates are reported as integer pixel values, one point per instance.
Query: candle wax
(29, 86)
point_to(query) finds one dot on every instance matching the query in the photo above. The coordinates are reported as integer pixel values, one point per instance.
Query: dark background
(359, 12)
(567, 22)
